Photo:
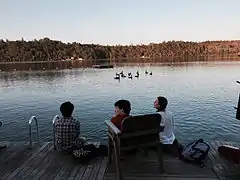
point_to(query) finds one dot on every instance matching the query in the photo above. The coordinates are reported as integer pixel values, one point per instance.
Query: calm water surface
(201, 96)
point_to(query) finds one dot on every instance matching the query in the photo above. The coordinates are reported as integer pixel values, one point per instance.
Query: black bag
(195, 152)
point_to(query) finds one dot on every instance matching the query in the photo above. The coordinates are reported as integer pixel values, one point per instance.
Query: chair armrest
(112, 128)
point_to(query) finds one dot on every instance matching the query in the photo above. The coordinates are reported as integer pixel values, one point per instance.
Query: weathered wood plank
(18, 170)
(224, 162)
(158, 177)
(149, 168)
(55, 168)
(222, 167)
(89, 169)
(4, 155)
(40, 161)
(74, 171)
(81, 172)
(66, 168)
(33, 162)
(45, 165)
(14, 161)
(101, 171)
(95, 169)
(174, 167)
(212, 156)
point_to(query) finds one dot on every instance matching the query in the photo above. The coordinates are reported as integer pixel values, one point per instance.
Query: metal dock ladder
(33, 118)
(55, 118)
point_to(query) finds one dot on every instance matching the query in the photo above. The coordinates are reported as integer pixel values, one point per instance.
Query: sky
(120, 21)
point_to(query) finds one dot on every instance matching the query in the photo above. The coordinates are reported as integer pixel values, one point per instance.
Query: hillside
(51, 50)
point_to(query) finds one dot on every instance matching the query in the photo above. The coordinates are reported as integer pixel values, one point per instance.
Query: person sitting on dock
(122, 110)
(169, 142)
(67, 129)
(2, 146)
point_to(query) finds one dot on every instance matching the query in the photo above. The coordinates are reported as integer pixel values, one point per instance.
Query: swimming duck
(117, 77)
(137, 74)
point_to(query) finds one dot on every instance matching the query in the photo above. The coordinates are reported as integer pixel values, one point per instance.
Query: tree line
(52, 50)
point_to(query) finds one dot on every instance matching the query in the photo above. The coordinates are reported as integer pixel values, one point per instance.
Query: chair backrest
(138, 123)
(142, 129)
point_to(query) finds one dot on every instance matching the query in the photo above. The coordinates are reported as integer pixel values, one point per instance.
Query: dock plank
(30, 164)
(44, 166)
(81, 172)
(89, 169)
(65, 169)
(98, 168)
(74, 172)
(15, 157)
(222, 167)
(149, 168)
(43, 162)
(35, 167)
(19, 169)
(56, 166)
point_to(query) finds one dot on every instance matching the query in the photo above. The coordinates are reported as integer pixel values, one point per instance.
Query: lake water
(201, 97)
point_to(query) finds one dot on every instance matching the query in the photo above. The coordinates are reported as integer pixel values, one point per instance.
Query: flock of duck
(129, 75)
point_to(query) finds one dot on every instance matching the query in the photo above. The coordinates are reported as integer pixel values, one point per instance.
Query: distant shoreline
(161, 59)
(52, 50)
(73, 64)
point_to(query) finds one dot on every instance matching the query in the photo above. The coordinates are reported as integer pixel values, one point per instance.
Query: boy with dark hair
(66, 109)
(122, 110)
(167, 137)
(67, 129)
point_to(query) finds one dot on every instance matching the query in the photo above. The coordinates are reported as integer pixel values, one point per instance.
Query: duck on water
(129, 74)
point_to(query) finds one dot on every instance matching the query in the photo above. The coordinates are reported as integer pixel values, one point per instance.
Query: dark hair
(163, 102)
(123, 104)
(66, 109)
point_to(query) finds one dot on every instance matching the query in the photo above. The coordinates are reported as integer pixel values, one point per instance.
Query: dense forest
(52, 50)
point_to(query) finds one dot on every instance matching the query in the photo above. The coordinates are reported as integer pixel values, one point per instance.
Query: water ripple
(201, 97)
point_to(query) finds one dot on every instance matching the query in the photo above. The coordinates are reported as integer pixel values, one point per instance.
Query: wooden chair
(137, 132)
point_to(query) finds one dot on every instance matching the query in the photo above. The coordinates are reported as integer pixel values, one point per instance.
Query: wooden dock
(42, 162)
(18, 161)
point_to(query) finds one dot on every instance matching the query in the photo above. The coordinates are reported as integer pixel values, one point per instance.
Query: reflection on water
(201, 96)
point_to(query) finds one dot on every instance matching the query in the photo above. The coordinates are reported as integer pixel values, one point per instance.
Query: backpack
(195, 152)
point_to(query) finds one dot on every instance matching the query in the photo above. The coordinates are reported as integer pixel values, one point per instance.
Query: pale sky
(120, 21)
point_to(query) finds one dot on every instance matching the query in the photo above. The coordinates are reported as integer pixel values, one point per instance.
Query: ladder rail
(55, 118)
(33, 118)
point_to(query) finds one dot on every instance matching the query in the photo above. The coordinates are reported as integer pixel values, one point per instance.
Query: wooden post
(238, 108)
(117, 157)
(109, 150)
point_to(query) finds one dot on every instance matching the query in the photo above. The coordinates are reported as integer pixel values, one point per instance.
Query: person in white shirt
(169, 142)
